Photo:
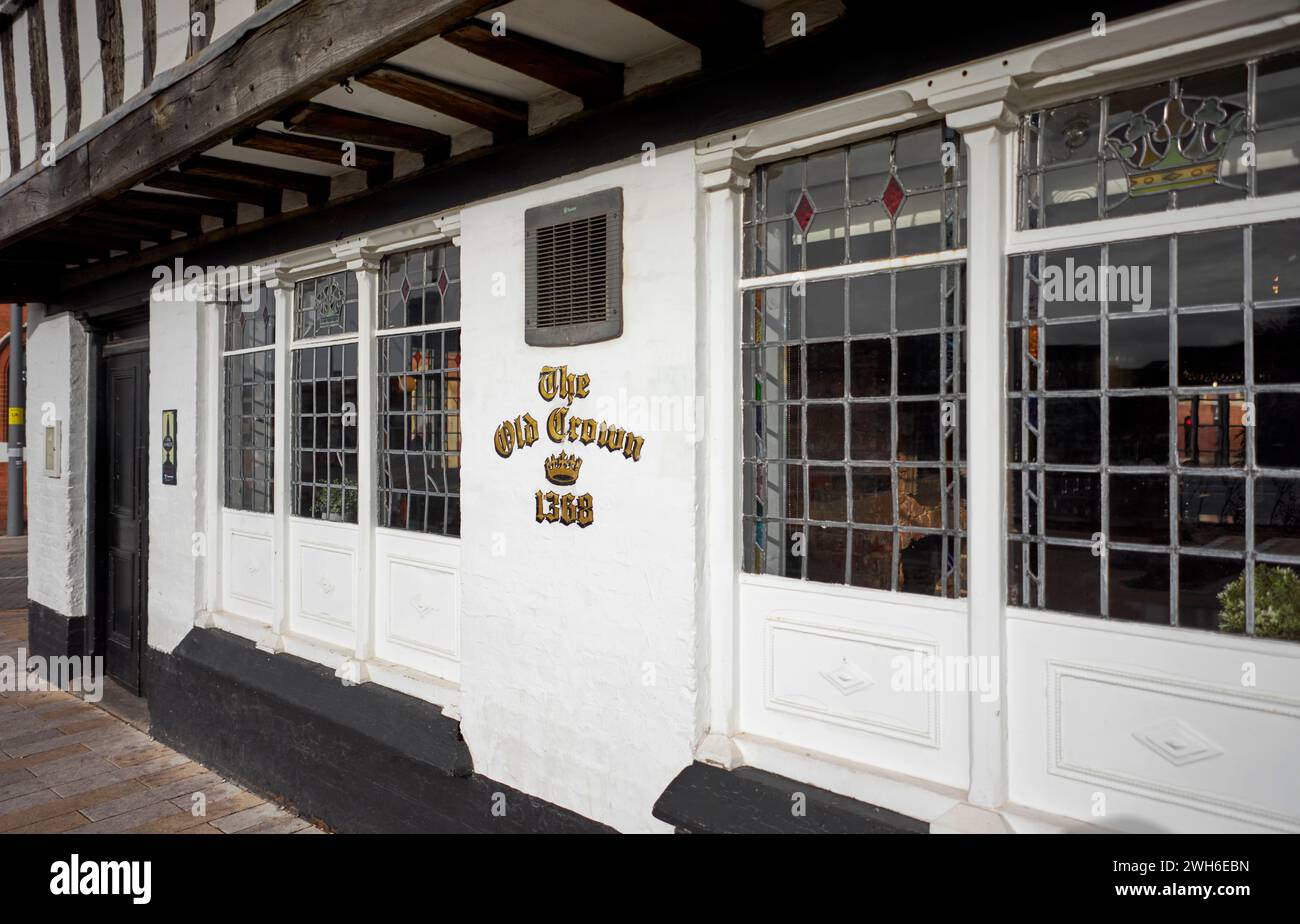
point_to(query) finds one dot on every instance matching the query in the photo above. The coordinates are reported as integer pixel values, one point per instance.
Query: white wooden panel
(844, 677)
(1142, 728)
(249, 582)
(323, 592)
(817, 664)
(417, 599)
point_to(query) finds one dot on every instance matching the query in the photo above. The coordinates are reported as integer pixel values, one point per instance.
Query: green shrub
(1277, 604)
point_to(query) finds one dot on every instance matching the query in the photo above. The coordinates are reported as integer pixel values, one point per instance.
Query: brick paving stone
(125, 821)
(233, 824)
(48, 809)
(181, 772)
(67, 766)
(40, 758)
(147, 797)
(286, 825)
(56, 825)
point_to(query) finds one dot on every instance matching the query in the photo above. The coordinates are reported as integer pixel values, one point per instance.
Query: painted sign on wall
(564, 426)
(169, 447)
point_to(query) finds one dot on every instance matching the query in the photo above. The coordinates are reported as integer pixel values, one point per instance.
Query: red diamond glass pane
(406, 289)
(804, 211)
(893, 196)
(443, 282)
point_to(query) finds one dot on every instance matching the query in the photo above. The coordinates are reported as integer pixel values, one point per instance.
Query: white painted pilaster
(984, 116)
(723, 180)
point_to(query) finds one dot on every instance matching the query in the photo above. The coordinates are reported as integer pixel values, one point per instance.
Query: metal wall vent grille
(574, 271)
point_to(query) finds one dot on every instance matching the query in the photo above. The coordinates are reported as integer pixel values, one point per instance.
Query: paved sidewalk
(68, 766)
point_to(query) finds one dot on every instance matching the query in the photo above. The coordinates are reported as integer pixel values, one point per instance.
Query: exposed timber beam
(592, 79)
(320, 150)
(226, 190)
(142, 203)
(725, 31)
(342, 125)
(502, 116)
(305, 50)
(271, 179)
(189, 224)
(114, 227)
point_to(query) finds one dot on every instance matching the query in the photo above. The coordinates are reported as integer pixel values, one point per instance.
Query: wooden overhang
(249, 132)
(213, 152)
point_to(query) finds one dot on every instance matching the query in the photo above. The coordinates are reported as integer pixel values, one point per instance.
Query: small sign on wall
(53, 453)
(169, 447)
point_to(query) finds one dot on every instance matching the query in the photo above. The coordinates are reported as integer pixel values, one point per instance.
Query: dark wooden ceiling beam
(162, 206)
(342, 125)
(299, 53)
(592, 79)
(225, 190)
(80, 240)
(321, 150)
(189, 224)
(121, 227)
(271, 179)
(503, 116)
(725, 31)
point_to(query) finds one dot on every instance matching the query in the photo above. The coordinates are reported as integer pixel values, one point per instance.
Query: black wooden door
(123, 493)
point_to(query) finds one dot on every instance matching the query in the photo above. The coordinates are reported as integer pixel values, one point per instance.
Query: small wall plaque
(169, 447)
(53, 452)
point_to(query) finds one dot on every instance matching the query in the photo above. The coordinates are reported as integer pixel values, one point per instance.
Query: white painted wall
(562, 626)
(58, 81)
(23, 84)
(56, 507)
(173, 33)
(92, 74)
(176, 574)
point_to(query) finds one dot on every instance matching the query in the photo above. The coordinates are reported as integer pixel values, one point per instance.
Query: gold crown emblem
(562, 468)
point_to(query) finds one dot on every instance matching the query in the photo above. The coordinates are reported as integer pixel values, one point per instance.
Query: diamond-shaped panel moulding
(892, 196)
(804, 211)
(848, 677)
(1177, 742)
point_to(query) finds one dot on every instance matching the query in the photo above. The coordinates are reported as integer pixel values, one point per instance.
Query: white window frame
(343, 558)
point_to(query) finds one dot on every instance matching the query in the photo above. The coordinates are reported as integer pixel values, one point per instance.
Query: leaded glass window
(895, 196)
(248, 394)
(1217, 136)
(326, 306)
(1154, 453)
(853, 450)
(324, 381)
(418, 371)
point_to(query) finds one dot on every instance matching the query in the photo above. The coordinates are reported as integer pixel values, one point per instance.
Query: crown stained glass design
(1217, 136)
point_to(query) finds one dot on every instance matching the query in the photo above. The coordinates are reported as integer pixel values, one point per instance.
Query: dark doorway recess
(118, 495)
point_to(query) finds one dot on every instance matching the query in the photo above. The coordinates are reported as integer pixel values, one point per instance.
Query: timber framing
(296, 55)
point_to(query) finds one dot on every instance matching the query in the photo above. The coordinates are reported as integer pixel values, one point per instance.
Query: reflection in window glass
(248, 391)
(324, 383)
(1154, 455)
(854, 456)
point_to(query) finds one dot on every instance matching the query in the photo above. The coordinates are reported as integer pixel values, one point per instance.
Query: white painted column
(986, 121)
(723, 180)
(282, 288)
(362, 260)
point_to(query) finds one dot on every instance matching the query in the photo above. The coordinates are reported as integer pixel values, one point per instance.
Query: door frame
(121, 332)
